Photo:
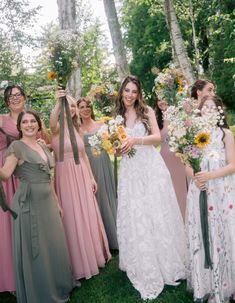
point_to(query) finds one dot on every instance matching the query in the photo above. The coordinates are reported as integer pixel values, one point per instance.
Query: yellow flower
(106, 144)
(121, 130)
(115, 93)
(117, 144)
(122, 137)
(202, 140)
(105, 136)
(105, 119)
(95, 152)
(51, 76)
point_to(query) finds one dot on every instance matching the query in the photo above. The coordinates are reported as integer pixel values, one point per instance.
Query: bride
(149, 223)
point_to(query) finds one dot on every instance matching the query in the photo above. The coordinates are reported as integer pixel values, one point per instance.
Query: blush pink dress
(177, 171)
(84, 229)
(7, 280)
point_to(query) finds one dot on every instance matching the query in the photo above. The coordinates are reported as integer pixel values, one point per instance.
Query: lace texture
(150, 227)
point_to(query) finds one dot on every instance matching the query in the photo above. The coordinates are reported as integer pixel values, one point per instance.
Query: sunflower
(202, 140)
(51, 76)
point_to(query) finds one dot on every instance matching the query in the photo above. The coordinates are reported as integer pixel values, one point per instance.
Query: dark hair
(140, 104)
(88, 102)
(199, 85)
(218, 102)
(31, 112)
(8, 90)
(159, 114)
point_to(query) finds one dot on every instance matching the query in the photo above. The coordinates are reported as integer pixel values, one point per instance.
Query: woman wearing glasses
(15, 99)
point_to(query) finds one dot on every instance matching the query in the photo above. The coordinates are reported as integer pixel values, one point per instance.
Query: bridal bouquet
(110, 137)
(189, 132)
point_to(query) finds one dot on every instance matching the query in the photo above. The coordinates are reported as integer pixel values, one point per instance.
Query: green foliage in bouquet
(103, 98)
(63, 56)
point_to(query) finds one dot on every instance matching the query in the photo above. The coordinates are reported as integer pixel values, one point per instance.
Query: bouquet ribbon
(3, 203)
(65, 109)
(204, 227)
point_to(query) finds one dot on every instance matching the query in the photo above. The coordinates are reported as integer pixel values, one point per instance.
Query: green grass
(113, 286)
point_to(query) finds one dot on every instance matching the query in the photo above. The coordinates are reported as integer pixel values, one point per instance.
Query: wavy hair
(199, 85)
(88, 103)
(140, 104)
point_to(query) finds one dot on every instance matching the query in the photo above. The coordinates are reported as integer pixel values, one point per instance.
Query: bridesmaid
(75, 187)
(173, 163)
(202, 88)
(15, 99)
(102, 169)
(41, 260)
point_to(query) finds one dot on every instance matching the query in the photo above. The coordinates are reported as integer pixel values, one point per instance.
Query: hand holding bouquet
(110, 137)
(189, 131)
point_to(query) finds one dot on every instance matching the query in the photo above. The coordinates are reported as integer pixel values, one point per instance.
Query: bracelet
(142, 140)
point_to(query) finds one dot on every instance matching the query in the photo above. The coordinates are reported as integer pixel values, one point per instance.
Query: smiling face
(208, 90)
(130, 94)
(16, 101)
(85, 110)
(29, 125)
(162, 105)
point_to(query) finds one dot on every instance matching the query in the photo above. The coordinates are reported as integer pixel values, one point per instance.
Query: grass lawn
(112, 286)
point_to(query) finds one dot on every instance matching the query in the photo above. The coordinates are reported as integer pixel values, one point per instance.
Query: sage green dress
(101, 167)
(41, 261)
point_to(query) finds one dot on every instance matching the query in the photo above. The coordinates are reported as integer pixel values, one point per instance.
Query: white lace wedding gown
(150, 227)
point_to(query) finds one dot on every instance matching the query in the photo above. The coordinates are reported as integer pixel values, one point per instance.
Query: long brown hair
(199, 85)
(140, 104)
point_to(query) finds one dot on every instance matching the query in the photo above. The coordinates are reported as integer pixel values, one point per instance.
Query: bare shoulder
(228, 133)
(150, 111)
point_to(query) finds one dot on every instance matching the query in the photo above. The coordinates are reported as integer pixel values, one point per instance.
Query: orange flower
(121, 130)
(51, 76)
(122, 137)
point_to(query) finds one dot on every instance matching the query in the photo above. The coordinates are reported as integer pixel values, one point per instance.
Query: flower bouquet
(63, 59)
(63, 56)
(103, 97)
(189, 133)
(170, 85)
(110, 137)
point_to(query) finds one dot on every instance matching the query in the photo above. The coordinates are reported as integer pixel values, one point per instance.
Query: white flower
(93, 140)
(119, 119)
(4, 84)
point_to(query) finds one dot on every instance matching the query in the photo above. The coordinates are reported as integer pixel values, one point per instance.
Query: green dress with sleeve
(106, 195)
(41, 260)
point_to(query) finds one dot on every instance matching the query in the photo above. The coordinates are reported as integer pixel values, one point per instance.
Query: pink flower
(188, 123)
(225, 285)
(211, 208)
(230, 206)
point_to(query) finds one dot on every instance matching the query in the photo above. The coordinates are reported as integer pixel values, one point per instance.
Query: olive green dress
(106, 197)
(41, 261)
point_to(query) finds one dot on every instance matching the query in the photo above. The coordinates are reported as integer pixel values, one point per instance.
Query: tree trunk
(177, 41)
(67, 20)
(117, 41)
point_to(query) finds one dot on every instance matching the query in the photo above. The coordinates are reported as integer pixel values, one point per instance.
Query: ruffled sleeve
(15, 149)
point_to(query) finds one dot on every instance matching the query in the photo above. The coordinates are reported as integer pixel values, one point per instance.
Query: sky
(49, 11)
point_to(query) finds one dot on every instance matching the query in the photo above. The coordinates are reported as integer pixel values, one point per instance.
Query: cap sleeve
(15, 149)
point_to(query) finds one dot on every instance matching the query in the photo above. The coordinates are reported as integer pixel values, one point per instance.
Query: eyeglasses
(12, 97)
(84, 107)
